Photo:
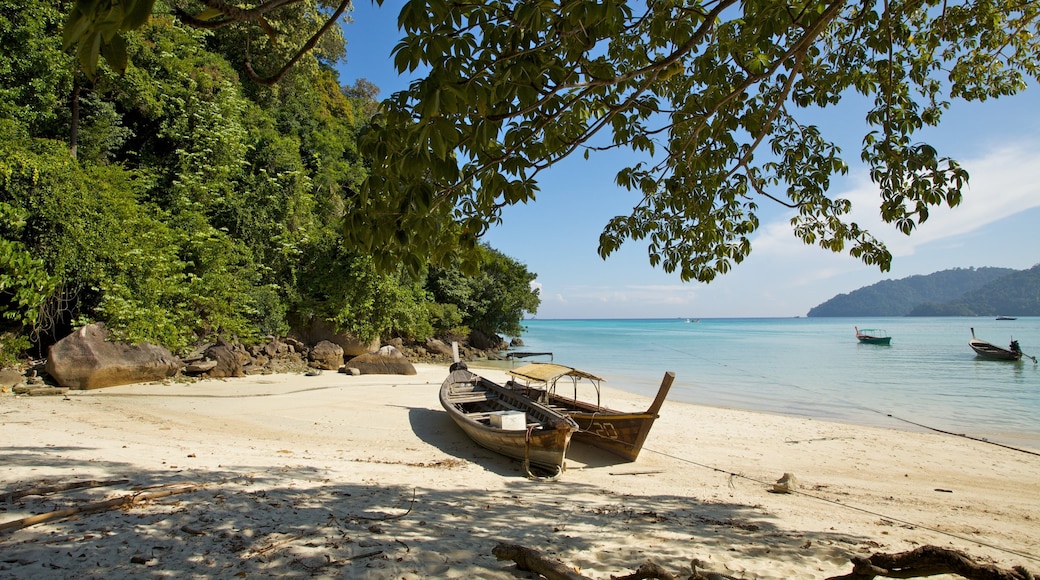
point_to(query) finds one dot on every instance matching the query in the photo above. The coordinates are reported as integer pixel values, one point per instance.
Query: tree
(709, 92)
(494, 299)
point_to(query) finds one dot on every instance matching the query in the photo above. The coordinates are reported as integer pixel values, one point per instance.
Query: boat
(621, 433)
(503, 420)
(988, 350)
(1006, 318)
(872, 336)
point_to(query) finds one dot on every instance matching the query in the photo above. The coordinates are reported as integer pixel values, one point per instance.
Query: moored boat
(872, 336)
(619, 432)
(991, 351)
(505, 421)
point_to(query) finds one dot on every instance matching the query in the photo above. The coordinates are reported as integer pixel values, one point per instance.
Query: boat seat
(468, 398)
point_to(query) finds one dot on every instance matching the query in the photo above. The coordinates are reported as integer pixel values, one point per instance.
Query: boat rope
(733, 475)
(862, 407)
(527, 461)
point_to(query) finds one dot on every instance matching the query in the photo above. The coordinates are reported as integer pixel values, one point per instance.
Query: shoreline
(367, 477)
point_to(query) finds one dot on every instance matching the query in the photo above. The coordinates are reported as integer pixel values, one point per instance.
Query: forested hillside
(902, 297)
(178, 202)
(1017, 294)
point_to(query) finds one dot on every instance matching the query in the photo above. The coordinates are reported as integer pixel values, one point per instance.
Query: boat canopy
(549, 373)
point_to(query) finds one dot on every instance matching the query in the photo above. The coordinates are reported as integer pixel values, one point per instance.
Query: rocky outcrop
(85, 359)
(316, 330)
(327, 356)
(385, 361)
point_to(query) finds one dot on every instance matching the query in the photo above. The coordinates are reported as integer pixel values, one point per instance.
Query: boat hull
(875, 340)
(542, 442)
(621, 433)
(990, 351)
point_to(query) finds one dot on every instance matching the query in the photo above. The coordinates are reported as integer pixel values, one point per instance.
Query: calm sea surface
(815, 367)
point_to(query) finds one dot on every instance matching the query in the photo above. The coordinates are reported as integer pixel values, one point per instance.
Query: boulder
(385, 361)
(483, 341)
(10, 378)
(85, 359)
(327, 355)
(315, 330)
(229, 364)
(436, 346)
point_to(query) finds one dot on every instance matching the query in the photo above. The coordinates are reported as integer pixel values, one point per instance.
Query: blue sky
(997, 224)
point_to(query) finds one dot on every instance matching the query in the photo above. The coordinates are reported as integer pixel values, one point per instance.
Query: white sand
(367, 477)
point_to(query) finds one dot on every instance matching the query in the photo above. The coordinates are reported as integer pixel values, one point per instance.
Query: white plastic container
(511, 420)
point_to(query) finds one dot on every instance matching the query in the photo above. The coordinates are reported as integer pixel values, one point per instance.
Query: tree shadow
(306, 521)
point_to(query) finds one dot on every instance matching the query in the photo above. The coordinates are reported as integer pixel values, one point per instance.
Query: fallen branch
(922, 562)
(91, 508)
(45, 489)
(533, 560)
(928, 561)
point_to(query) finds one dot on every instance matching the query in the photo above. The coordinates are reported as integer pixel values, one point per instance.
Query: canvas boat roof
(549, 372)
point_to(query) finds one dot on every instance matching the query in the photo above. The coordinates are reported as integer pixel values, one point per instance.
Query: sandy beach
(367, 477)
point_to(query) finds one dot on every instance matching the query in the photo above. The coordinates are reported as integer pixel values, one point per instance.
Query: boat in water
(872, 336)
(505, 421)
(991, 351)
(621, 433)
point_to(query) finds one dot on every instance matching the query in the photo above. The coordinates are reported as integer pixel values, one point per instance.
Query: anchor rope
(735, 475)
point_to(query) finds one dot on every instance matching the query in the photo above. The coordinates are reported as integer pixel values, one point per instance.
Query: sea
(927, 378)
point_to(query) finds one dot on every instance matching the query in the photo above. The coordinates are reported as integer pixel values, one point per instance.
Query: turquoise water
(815, 367)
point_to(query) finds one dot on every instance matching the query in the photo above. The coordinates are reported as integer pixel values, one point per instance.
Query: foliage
(937, 294)
(33, 91)
(494, 299)
(1016, 294)
(196, 206)
(710, 95)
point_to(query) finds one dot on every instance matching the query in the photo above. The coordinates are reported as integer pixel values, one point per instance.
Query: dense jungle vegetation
(178, 201)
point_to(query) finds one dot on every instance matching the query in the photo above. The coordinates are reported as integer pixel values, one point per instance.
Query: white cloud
(1002, 183)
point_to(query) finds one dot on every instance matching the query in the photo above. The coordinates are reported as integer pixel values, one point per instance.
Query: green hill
(956, 292)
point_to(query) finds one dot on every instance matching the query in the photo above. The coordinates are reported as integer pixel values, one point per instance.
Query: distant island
(956, 292)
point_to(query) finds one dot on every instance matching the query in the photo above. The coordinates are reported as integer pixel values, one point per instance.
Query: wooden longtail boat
(505, 421)
(872, 336)
(619, 432)
(988, 350)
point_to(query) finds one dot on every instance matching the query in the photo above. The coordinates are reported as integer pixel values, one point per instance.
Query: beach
(345, 476)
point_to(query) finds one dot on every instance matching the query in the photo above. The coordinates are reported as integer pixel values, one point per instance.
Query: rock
(351, 371)
(386, 361)
(201, 366)
(10, 378)
(515, 342)
(86, 360)
(785, 484)
(436, 346)
(315, 330)
(327, 355)
(482, 341)
(228, 363)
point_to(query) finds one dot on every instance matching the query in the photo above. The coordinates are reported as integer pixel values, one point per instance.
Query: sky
(996, 225)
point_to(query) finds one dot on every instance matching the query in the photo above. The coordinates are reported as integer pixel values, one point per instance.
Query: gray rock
(327, 355)
(386, 361)
(85, 359)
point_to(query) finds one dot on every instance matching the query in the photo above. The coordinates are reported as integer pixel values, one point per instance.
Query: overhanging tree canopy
(711, 93)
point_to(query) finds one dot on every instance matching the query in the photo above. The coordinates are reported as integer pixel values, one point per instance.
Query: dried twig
(91, 508)
(45, 489)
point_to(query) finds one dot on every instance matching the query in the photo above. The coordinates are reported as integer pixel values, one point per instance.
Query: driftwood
(922, 562)
(45, 489)
(928, 561)
(533, 560)
(90, 508)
